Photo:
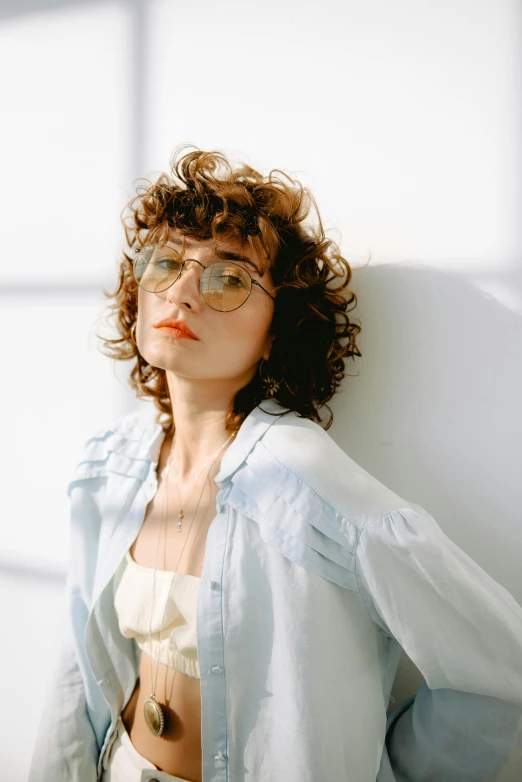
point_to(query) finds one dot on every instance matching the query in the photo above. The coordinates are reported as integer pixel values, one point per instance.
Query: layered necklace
(152, 710)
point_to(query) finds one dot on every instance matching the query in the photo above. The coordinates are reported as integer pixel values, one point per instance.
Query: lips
(175, 324)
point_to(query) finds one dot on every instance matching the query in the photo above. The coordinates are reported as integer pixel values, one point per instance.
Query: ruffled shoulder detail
(127, 446)
(310, 499)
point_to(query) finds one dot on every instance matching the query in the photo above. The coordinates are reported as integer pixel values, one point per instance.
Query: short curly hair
(207, 197)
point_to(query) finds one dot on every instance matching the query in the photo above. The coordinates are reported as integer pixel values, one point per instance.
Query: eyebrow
(226, 255)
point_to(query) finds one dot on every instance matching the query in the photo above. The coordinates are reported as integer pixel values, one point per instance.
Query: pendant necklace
(152, 710)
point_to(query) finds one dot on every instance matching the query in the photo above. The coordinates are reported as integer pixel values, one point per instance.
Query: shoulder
(124, 445)
(298, 452)
(131, 425)
(309, 498)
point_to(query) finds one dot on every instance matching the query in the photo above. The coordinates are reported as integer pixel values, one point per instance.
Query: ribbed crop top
(174, 593)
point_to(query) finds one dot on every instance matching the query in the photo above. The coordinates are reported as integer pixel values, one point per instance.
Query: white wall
(403, 118)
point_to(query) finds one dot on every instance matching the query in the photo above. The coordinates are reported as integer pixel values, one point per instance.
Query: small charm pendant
(181, 517)
(154, 716)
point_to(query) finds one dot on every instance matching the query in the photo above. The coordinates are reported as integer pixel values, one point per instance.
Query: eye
(169, 263)
(233, 280)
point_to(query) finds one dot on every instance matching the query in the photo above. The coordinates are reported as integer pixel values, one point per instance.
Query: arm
(463, 631)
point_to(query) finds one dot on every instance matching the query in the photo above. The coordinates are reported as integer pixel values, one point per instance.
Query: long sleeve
(65, 749)
(463, 631)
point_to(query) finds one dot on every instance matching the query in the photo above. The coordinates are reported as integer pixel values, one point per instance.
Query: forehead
(226, 243)
(233, 245)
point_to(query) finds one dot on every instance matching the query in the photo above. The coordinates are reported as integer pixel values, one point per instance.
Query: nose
(187, 284)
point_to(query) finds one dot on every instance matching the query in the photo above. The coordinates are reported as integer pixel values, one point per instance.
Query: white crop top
(174, 593)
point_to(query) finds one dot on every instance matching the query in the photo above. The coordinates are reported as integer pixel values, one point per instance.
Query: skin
(203, 376)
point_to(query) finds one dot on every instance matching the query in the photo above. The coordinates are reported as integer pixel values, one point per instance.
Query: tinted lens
(224, 285)
(156, 267)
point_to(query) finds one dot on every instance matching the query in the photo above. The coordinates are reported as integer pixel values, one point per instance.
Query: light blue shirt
(315, 577)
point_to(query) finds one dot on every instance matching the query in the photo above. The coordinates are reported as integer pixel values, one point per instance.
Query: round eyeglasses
(224, 285)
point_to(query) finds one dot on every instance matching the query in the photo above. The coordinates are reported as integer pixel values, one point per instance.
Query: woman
(240, 590)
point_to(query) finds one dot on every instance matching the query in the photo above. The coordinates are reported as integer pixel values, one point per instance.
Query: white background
(404, 121)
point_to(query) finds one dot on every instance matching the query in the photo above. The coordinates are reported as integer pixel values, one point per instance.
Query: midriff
(178, 750)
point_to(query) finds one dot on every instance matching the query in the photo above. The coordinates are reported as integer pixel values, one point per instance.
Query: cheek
(252, 326)
(142, 303)
(148, 313)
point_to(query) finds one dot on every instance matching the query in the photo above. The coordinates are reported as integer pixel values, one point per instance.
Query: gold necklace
(152, 710)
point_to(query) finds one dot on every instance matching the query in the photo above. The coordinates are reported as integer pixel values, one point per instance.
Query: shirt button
(219, 757)
(217, 669)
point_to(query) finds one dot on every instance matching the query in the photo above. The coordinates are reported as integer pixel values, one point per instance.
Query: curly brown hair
(206, 197)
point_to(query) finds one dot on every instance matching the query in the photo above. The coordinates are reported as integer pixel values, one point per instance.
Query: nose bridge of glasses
(186, 261)
(197, 265)
(213, 262)
(200, 270)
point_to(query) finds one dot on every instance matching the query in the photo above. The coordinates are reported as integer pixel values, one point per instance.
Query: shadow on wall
(435, 410)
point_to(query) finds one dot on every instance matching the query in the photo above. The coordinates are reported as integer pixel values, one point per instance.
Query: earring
(133, 332)
(270, 385)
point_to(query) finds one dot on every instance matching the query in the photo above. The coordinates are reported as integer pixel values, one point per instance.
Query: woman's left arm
(463, 631)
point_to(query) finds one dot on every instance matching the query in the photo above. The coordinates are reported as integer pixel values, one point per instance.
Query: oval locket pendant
(153, 716)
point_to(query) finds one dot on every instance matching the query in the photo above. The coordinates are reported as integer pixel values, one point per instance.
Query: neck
(194, 464)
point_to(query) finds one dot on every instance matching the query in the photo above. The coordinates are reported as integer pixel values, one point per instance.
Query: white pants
(125, 764)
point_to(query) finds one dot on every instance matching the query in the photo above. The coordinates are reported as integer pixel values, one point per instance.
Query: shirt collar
(252, 429)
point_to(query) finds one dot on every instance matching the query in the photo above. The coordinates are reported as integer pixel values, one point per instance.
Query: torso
(178, 750)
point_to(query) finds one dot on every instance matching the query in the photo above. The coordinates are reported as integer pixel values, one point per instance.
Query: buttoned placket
(211, 646)
(110, 747)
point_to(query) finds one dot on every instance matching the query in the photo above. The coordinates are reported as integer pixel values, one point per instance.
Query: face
(230, 344)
